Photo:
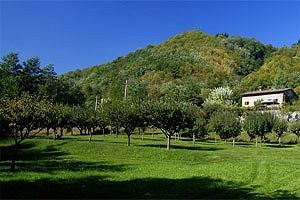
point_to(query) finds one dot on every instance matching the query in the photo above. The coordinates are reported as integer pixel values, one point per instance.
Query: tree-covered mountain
(187, 65)
(281, 70)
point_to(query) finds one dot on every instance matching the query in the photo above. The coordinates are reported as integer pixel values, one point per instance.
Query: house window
(247, 103)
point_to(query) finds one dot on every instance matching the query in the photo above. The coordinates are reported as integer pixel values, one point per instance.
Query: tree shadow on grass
(79, 139)
(49, 160)
(280, 146)
(182, 147)
(27, 153)
(100, 187)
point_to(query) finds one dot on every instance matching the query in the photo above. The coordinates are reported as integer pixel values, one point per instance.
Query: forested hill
(281, 70)
(185, 66)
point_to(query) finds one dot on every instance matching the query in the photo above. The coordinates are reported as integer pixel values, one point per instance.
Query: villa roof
(262, 92)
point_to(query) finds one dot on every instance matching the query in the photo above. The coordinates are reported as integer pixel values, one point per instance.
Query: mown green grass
(106, 168)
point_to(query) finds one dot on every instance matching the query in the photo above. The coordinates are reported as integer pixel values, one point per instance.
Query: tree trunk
(261, 141)
(103, 131)
(90, 138)
(117, 132)
(215, 139)
(279, 140)
(14, 158)
(128, 140)
(61, 132)
(54, 134)
(80, 131)
(48, 131)
(143, 133)
(72, 131)
(256, 141)
(194, 138)
(233, 142)
(168, 142)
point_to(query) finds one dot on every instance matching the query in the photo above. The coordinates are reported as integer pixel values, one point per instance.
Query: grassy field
(106, 168)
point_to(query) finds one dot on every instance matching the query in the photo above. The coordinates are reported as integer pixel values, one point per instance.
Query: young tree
(199, 129)
(171, 118)
(226, 124)
(280, 127)
(295, 128)
(258, 124)
(129, 118)
(113, 111)
(79, 118)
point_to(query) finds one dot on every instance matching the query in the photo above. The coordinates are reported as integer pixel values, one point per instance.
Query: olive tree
(226, 124)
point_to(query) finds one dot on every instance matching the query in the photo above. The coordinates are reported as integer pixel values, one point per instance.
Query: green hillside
(186, 65)
(281, 70)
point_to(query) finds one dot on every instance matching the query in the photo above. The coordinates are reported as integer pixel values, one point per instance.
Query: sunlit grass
(107, 168)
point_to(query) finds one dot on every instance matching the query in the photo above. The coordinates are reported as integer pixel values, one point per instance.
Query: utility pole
(125, 92)
(96, 102)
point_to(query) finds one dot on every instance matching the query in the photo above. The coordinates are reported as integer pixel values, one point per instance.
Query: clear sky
(79, 34)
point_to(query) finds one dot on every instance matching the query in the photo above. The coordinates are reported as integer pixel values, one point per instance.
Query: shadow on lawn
(280, 146)
(79, 139)
(27, 153)
(48, 160)
(155, 188)
(182, 147)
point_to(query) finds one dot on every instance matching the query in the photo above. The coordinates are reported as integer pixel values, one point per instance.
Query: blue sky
(79, 34)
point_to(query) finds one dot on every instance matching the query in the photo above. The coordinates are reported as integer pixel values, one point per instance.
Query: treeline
(30, 77)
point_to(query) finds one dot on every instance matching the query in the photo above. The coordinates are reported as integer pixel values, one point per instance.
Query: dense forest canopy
(188, 65)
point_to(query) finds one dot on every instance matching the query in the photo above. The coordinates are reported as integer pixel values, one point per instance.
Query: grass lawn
(106, 168)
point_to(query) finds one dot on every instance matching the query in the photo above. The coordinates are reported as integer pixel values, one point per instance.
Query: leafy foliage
(280, 127)
(34, 79)
(171, 118)
(258, 124)
(295, 128)
(281, 70)
(226, 124)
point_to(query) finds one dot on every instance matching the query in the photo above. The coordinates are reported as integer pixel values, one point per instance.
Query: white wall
(252, 99)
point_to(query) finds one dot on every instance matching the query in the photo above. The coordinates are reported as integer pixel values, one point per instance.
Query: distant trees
(32, 78)
(252, 53)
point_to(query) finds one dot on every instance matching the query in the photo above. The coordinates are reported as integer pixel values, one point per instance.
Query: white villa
(268, 98)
